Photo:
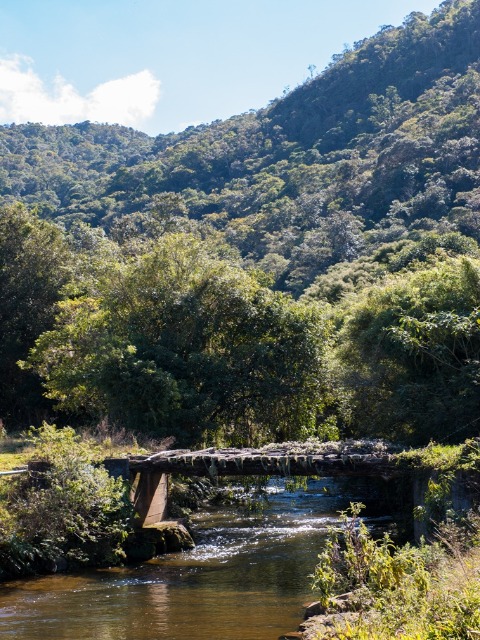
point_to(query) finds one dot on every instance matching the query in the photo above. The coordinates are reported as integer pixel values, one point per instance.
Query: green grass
(433, 456)
(14, 452)
(439, 457)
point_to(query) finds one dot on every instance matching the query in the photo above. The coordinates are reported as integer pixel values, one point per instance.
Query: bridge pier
(148, 492)
(149, 495)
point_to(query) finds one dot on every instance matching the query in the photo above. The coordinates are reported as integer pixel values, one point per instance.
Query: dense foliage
(34, 265)
(426, 593)
(310, 265)
(408, 353)
(383, 142)
(72, 511)
(183, 342)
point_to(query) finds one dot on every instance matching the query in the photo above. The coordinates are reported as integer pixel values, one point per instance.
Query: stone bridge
(350, 458)
(149, 474)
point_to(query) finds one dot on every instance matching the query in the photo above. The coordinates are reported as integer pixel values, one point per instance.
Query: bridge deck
(350, 458)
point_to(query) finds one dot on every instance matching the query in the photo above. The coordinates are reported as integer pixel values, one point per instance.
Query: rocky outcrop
(327, 626)
(323, 622)
(158, 539)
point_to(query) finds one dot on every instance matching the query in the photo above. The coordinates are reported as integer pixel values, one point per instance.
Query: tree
(34, 265)
(337, 238)
(384, 108)
(185, 343)
(409, 351)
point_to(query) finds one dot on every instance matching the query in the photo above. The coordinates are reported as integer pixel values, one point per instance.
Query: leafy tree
(385, 107)
(408, 354)
(337, 238)
(34, 266)
(183, 342)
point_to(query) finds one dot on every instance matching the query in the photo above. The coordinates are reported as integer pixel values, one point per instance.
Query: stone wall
(464, 494)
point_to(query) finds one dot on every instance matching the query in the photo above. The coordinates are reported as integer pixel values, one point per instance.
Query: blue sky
(160, 65)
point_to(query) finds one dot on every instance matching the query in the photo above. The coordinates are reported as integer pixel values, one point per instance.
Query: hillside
(312, 268)
(383, 142)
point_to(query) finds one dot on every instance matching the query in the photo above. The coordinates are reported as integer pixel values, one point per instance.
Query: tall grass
(444, 605)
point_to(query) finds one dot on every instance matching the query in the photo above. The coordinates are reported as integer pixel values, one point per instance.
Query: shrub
(352, 559)
(76, 511)
(414, 593)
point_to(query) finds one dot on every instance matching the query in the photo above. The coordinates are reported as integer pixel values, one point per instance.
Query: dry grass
(105, 440)
(449, 610)
(113, 441)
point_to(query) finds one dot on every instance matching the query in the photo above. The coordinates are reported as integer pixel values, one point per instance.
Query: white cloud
(24, 97)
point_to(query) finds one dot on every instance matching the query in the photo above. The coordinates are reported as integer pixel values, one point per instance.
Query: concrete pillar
(465, 490)
(420, 485)
(149, 496)
(464, 494)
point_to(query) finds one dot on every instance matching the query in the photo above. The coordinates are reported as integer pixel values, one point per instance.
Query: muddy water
(245, 580)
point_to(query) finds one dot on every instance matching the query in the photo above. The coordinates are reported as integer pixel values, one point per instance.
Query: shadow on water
(246, 580)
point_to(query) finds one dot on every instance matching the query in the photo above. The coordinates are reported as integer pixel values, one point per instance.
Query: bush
(352, 559)
(76, 511)
(414, 593)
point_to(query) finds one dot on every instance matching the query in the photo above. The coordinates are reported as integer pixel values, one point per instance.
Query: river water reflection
(246, 580)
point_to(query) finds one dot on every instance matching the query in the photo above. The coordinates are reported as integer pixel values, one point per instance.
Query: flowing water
(246, 580)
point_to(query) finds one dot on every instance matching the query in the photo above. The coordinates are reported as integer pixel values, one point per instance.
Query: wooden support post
(149, 496)
(149, 490)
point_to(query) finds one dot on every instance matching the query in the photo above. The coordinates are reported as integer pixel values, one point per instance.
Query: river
(246, 580)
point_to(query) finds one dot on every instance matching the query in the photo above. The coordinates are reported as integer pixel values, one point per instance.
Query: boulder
(171, 536)
(326, 626)
(313, 609)
(351, 601)
(158, 539)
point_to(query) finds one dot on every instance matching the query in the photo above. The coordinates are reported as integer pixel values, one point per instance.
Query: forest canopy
(308, 269)
(182, 342)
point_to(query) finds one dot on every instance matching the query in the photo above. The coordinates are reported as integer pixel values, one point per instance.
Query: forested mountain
(383, 142)
(359, 189)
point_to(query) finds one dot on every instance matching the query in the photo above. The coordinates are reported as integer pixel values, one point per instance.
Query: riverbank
(68, 513)
(427, 592)
(105, 519)
(71, 514)
(447, 609)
